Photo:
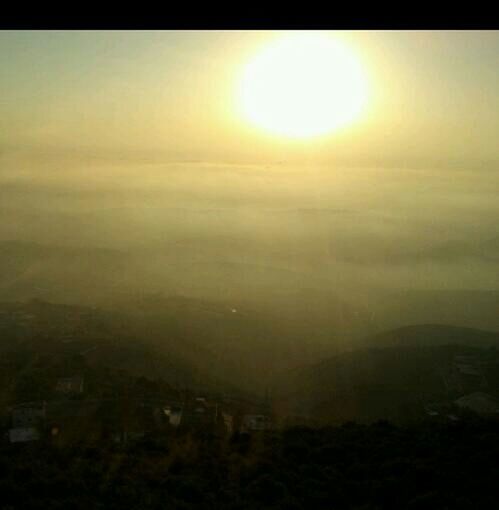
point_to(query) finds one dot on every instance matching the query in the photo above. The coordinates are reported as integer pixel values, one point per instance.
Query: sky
(172, 94)
(135, 141)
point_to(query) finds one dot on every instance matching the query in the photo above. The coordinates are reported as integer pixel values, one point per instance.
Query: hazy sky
(135, 140)
(433, 97)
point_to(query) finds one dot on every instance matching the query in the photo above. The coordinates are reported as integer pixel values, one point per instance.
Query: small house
(23, 434)
(29, 414)
(70, 385)
(255, 422)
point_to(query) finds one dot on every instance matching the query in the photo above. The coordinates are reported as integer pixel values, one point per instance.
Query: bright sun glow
(302, 86)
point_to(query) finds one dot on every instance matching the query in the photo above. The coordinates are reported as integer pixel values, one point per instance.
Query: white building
(254, 422)
(23, 434)
(480, 403)
(29, 414)
(174, 415)
(68, 385)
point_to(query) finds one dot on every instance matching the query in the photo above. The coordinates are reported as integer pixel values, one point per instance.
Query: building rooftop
(480, 403)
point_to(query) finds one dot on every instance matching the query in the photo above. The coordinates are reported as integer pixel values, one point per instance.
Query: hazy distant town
(74, 373)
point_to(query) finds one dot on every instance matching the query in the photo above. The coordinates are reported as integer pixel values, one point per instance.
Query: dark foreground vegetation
(377, 466)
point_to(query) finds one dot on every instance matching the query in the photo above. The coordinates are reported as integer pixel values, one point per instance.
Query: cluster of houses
(466, 377)
(71, 413)
(65, 420)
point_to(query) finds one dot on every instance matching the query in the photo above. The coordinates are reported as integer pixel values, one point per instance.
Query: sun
(302, 86)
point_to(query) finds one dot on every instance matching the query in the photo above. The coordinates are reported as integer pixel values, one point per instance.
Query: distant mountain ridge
(424, 335)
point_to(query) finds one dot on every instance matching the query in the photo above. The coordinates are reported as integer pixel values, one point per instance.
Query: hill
(464, 307)
(396, 376)
(432, 335)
